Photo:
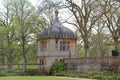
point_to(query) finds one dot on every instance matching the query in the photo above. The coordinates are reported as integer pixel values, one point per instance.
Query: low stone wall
(93, 64)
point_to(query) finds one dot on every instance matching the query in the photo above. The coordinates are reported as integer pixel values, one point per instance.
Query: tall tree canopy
(86, 13)
(112, 20)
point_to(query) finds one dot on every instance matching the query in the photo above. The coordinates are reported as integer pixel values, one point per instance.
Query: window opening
(42, 62)
(64, 46)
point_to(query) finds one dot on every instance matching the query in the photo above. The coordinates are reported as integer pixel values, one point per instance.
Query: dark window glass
(64, 46)
(42, 62)
(56, 44)
(61, 45)
(42, 46)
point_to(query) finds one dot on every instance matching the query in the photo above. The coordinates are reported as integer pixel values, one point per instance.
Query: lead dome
(56, 30)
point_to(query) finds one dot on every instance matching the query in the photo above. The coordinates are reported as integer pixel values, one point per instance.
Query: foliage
(62, 73)
(112, 20)
(8, 73)
(33, 72)
(111, 68)
(28, 72)
(58, 67)
(85, 16)
(1, 74)
(47, 7)
(92, 75)
(100, 44)
(20, 21)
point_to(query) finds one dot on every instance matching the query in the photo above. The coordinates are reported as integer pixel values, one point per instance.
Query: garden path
(74, 78)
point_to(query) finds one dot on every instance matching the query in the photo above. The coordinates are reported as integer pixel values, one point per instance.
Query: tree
(112, 20)
(2, 56)
(26, 22)
(85, 13)
(23, 11)
(100, 44)
(7, 31)
(19, 25)
(47, 7)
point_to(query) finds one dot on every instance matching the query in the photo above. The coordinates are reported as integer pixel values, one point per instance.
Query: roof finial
(56, 12)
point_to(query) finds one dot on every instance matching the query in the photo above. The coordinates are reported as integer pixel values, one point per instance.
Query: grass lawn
(32, 78)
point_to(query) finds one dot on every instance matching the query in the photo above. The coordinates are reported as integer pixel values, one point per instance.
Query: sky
(0, 4)
(62, 14)
(34, 2)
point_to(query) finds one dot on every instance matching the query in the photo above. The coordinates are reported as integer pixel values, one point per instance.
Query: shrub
(101, 76)
(116, 77)
(32, 72)
(96, 77)
(71, 74)
(1, 74)
(8, 74)
(58, 67)
(22, 74)
(60, 74)
(84, 75)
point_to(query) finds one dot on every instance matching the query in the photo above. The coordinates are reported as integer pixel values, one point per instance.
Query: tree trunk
(99, 53)
(116, 44)
(24, 63)
(87, 53)
(24, 54)
(86, 47)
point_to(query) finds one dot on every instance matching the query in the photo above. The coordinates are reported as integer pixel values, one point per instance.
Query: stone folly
(55, 44)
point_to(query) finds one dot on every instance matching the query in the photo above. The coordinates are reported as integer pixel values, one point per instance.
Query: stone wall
(93, 64)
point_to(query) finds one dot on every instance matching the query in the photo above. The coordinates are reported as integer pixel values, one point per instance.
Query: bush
(23, 74)
(84, 75)
(8, 74)
(60, 74)
(92, 75)
(96, 76)
(33, 72)
(2, 74)
(58, 67)
(71, 74)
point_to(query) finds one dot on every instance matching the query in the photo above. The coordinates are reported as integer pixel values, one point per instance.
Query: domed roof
(57, 29)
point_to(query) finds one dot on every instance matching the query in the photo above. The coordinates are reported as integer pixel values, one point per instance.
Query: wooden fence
(7, 67)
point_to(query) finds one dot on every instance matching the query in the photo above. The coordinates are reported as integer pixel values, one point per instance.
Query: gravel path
(74, 78)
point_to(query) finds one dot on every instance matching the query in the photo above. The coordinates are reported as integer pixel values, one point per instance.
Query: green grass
(32, 78)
